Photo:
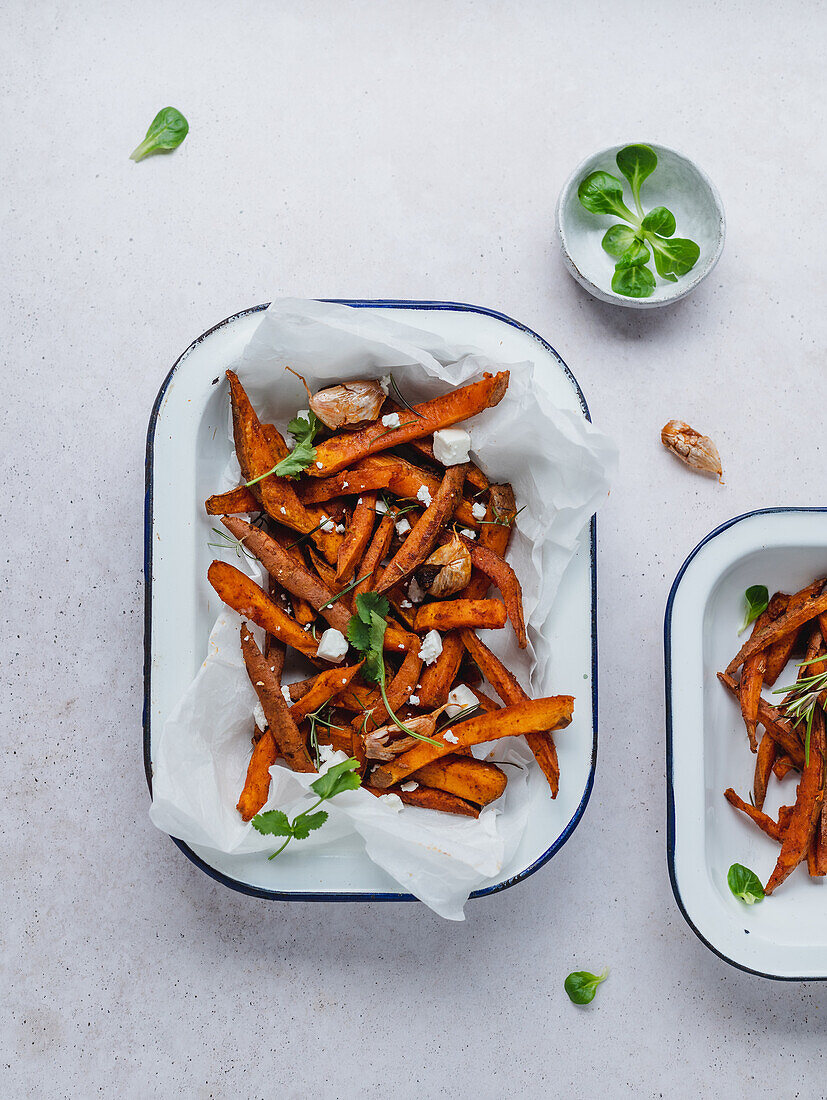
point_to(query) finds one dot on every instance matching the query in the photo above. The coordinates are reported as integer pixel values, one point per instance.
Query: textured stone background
(410, 150)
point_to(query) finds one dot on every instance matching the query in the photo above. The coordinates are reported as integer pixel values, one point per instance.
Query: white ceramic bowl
(785, 936)
(676, 183)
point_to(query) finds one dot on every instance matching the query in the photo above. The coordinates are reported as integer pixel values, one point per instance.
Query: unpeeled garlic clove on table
(696, 450)
(349, 405)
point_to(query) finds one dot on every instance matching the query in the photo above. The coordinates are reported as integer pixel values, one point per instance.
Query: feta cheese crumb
(259, 683)
(307, 626)
(327, 524)
(414, 700)
(385, 384)
(478, 511)
(450, 737)
(469, 534)
(451, 446)
(319, 465)
(415, 591)
(391, 420)
(402, 527)
(392, 801)
(423, 493)
(345, 484)
(431, 647)
(285, 690)
(406, 604)
(412, 786)
(460, 698)
(340, 528)
(258, 714)
(283, 510)
(359, 501)
(381, 507)
(333, 646)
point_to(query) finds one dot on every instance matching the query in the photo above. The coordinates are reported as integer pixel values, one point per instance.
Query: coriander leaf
(636, 253)
(303, 454)
(338, 778)
(744, 884)
(369, 602)
(757, 598)
(304, 824)
(272, 823)
(677, 256)
(660, 220)
(633, 282)
(602, 193)
(304, 428)
(358, 634)
(618, 239)
(636, 162)
(166, 132)
(581, 986)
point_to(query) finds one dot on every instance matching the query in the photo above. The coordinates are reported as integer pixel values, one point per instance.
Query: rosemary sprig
(401, 398)
(345, 591)
(803, 698)
(230, 543)
(466, 712)
(307, 534)
(407, 424)
(315, 719)
(501, 520)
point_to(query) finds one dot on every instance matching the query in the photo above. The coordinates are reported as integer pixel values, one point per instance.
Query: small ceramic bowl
(676, 183)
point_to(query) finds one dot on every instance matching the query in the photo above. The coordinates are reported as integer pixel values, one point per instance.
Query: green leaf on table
(636, 162)
(744, 884)
(660, 220)
(166, 132)
(581, 986)
(618, 239)
(675, 256)
(634, 282)
(757, 598)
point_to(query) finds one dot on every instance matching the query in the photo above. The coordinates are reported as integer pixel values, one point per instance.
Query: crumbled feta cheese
(406, 604)
(407, 787)
(392, 801)
(258, 714)
(431, 647)
(344, 486)
(414, 700)
(460, 698)
(415, 591)
(307, 626)
(402, 527)
(340, 528)
(333, 646)
(259, 683)
(385, 384)
(391, 420)
(285, 690)
(319, 465)
(478, 510)
(359, 501)
(451, 446)
(469, 534)
(328, 756)
(381, 507)
(423, 493)
(327, 524)
(450, 737)
(283, 510)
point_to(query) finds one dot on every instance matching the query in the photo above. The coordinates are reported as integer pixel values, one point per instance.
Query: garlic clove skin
(447, 570)
(692, 448)
(349, 405)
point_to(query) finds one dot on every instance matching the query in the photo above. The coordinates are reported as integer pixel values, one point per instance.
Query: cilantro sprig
(366, 632)
(338, 778)
(303, 429)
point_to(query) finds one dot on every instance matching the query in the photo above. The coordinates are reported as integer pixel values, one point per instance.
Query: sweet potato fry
(502, 511)
(431, 800)
(779, 654)
(477, 781)
(752, 679)
(356, 537)
(500, 572)
(343, 450)
(764, 822)
(443, 615)
(486, 703)
(326, 687)
(764, 761)
(509, 690)
(438, 678)
(257, 783)
(786, 625)
(531, 716)
(232, 502)
(774, 722)
(378, 548)
(425, 532)
(243, 594)
(267, 686)
(290, 574)
(805, 813)
(782, 766)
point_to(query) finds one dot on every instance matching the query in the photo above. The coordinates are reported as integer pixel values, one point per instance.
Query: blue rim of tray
(670, 792)
(281, 895)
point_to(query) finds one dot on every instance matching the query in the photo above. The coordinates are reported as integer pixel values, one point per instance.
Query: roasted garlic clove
(696, 450)
(379, 746)
(447, 570)
(350, 405)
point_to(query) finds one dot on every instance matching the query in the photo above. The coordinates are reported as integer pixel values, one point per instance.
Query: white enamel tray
(784, 936)
(187, 449)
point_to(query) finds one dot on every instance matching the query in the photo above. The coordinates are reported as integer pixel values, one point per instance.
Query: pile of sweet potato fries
(790, 741)
(375, 512)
